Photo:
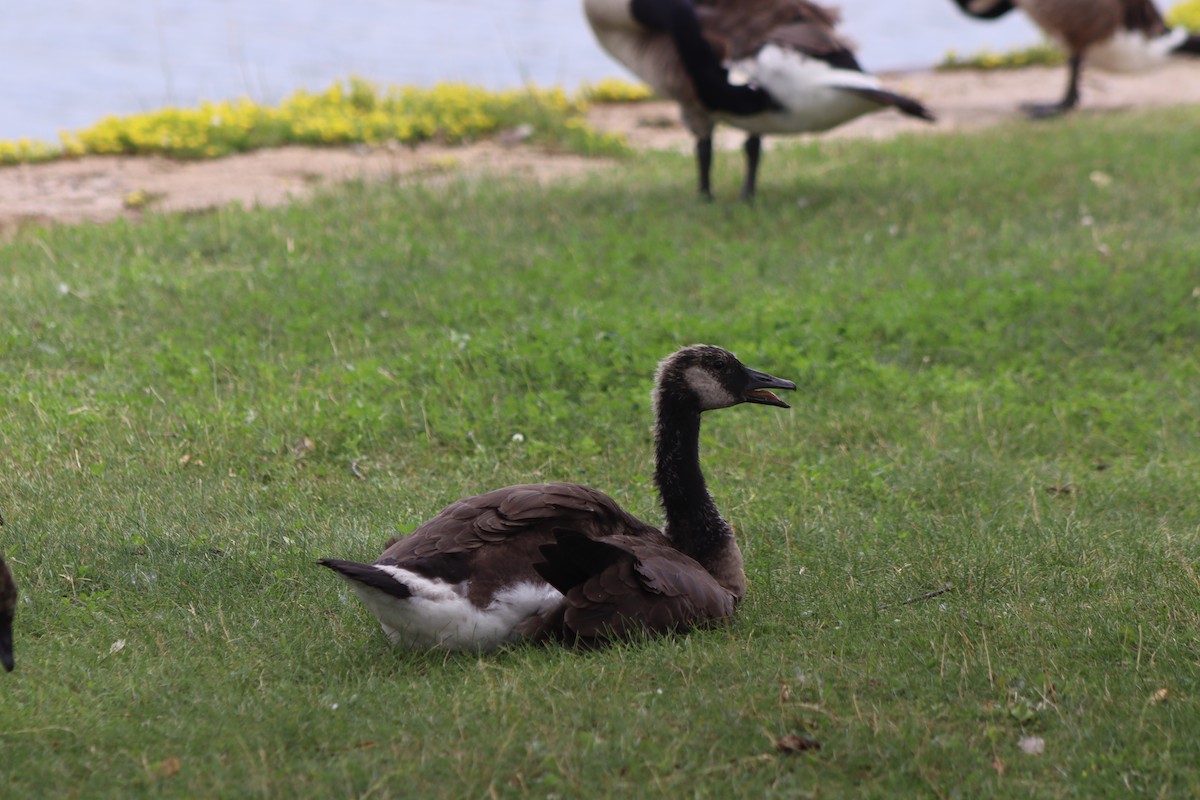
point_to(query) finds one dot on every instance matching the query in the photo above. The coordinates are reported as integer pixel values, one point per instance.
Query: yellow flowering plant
(1185, 14)
(1044, 54)
(354, 112)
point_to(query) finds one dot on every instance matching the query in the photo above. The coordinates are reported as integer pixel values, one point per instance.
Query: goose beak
(6, 651)
(758, 385)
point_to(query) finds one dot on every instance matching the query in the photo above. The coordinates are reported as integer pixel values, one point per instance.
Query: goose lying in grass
(8, 607)
(1114, 35)
(796, 74)
(563, 561)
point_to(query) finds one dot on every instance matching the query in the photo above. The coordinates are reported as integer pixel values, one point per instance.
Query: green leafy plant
(1037, 55)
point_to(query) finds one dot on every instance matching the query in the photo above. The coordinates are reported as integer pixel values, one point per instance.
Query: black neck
(708, 75)
(997, 9)
(692, 520)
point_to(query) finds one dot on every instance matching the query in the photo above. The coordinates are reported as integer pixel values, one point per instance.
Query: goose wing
(743, 27)
(514, 511)
(622, 585)
(1143, 15)
(492, 540)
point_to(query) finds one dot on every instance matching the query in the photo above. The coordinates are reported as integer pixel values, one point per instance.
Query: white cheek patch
(710, 391)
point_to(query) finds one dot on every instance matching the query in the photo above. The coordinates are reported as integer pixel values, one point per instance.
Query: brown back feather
(1143, 15)
(521, 518)
(747, 25)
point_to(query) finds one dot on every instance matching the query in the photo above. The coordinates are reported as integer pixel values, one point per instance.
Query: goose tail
(369, 575)
(1189, 46)
(905, 105)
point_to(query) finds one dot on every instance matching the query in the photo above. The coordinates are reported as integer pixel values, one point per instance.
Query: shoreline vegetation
(360, 112)
(356, 111)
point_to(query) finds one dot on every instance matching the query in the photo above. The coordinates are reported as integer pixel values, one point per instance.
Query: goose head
(8, 605)
(705, 377)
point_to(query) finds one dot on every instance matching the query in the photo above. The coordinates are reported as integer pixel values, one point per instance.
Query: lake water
(66, 63)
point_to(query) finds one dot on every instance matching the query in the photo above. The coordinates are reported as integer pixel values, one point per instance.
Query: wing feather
(492, 539)
(623, 585)
(747, 25)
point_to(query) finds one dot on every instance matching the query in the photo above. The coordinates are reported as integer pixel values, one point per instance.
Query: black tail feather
(368, 575)
(905, 105)
(1190, 46)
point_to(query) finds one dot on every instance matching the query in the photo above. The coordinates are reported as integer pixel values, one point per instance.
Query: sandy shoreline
(102, 188)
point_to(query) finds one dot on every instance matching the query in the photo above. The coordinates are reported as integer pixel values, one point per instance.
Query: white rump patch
(710, 391)
(811, 91)
(438, 614)
(1134, 51)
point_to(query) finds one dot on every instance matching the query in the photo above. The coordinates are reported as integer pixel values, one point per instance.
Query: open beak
(758, 386)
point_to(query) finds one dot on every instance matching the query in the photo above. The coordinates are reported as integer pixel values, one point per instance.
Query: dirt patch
(101, 188)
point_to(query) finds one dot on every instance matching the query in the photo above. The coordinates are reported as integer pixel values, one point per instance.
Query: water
(66, 63)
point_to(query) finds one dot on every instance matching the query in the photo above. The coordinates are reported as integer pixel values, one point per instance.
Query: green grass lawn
(996, 339)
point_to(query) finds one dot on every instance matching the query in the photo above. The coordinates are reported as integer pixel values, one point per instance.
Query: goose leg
(704, 152)
(753, 148)
(1069, 101)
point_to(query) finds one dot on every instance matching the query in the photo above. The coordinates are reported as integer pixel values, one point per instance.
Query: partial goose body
(788, 50)
(813, 94)
(466, 578)
(620, 586)
(8, 607)
(1114, 35)
(564, 561)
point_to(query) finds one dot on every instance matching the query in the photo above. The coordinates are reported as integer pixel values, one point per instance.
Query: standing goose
(8, 606)
(806, 76)
(1115, 35)
(495, 568)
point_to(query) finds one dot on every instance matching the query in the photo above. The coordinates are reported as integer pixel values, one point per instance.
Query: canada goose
(805, 75)
(1115, 35)
(8, 606)
(494, 568)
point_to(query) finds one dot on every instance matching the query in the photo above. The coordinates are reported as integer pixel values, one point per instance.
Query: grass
(995, 338)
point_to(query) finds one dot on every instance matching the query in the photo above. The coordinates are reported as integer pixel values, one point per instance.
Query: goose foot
(1070, 99)
(1046, 110)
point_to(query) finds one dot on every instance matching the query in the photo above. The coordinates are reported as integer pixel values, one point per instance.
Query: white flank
(439, 614)
(1134, 51)
(811, 91)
